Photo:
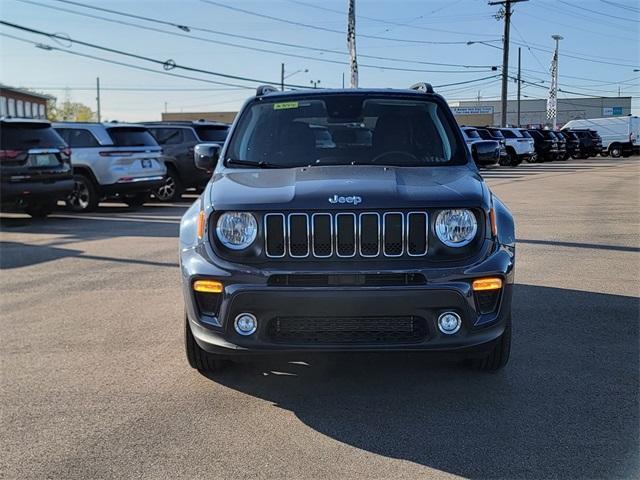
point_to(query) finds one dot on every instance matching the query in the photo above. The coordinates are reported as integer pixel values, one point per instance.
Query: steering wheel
(409, 156)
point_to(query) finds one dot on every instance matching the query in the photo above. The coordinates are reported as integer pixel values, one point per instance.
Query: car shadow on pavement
(565, 407)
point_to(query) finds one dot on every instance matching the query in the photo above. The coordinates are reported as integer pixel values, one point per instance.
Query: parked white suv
(111, 161)
(519, 146)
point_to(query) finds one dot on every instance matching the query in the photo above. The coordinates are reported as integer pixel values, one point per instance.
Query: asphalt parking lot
(95, 383)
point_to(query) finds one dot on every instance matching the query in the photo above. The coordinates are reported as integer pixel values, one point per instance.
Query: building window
(27, 109)
(4, 109)
(20, 109)
(41, 111)
(12, 107)
(34, 110)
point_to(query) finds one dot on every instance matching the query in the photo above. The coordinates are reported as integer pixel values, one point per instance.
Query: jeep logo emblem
(354, 200)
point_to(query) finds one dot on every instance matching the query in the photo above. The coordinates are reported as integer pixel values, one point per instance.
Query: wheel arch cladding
(505, 223)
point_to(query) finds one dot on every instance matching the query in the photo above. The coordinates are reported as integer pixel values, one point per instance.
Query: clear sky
(598, 54)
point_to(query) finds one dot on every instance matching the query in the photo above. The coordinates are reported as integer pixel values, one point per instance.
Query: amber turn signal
(201, 224)
(208, 286)
(494, 225)
(483, 284)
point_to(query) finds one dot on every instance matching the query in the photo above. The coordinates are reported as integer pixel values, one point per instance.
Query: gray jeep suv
(394, 243)
(111, 161)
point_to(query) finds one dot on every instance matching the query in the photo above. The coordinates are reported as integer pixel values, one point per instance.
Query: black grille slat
(369, 234)
(298, 235)
(322, 229)
(275, 235)
(346, 234)
(393, 228)
(341, 330)
(417, 231)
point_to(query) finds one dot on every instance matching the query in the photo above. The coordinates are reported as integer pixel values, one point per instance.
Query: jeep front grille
(346, 234)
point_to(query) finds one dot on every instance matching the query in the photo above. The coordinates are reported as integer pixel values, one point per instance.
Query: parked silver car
(111, 161)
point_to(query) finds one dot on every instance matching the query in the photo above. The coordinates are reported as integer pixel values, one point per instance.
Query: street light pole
(282, 77)
(554, 80)
(98, 97)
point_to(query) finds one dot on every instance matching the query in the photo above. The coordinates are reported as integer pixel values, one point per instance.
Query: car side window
(167, 136)
(78, 138)
(188, 135)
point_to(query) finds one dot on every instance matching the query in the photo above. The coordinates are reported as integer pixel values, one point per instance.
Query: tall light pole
(519, 57)
(505, 55)
(552, 101)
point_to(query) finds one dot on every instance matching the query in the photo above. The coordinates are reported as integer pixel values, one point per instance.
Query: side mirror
(485, 152)
(205, 156)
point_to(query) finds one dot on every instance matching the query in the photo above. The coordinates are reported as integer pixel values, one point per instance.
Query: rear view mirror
(486, 152)
(205, 156)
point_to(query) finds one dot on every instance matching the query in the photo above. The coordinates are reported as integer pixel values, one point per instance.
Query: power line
(619, 5)
(115, 62)
(167, 64)
(331, 30)
(580, 7)
(256, 49)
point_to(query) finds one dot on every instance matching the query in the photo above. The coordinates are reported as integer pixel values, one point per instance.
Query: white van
(619, 134)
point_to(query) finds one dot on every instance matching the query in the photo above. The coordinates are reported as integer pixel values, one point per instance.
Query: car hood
(347, 187)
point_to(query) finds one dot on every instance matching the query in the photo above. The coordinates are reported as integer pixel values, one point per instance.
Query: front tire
(197, 357)
(498, 358)
(615, 151)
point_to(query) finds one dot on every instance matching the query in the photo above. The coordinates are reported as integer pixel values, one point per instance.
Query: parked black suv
(562, 145)
(393, 244)
(546, 144)
(35, 167)
(572, 143)
(177, 140)
(590, 142)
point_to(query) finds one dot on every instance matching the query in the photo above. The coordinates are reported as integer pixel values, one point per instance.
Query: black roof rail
(265, 89)
(422, 87)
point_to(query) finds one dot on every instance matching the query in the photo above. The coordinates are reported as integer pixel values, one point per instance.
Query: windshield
(131, 137)
(212, 133)
(345, 130)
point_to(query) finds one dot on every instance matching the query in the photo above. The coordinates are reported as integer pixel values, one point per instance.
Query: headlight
(456, 228)
(237, 230)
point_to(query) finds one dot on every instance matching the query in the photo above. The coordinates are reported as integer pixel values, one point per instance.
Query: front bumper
(246, 292)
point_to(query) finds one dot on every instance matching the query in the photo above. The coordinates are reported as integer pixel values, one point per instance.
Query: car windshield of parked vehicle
(364, 130)
(131, 137)
(24, 136)
(212, 133)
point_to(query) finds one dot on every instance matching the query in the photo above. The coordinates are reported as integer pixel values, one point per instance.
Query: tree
(69, 111)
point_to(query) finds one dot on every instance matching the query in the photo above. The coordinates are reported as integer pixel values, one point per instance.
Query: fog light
(483, 284)
(449, 322)
(246, 324)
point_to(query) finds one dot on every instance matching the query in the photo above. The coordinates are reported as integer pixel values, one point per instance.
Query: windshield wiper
(251, 163)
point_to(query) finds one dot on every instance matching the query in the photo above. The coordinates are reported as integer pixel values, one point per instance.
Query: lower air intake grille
(343, 330)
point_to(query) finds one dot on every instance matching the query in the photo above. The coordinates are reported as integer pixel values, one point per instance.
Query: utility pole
(165, 107)
(98, 96)
(351, 42)
(282, 77)
(519, 72)
(343, 81)
(505, 54)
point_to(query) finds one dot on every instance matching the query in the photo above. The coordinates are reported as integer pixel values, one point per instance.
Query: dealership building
(534, 111)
